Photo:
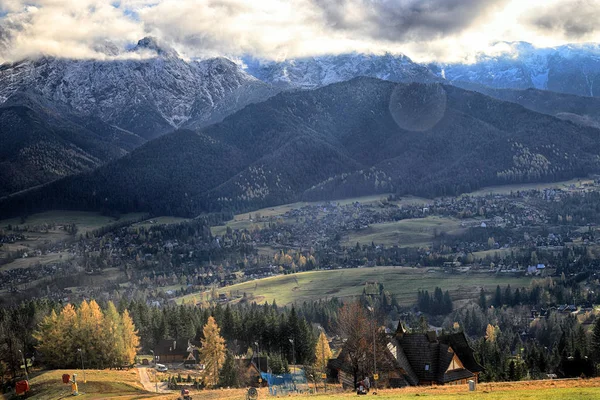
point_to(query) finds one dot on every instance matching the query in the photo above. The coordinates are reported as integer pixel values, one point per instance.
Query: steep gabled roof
(257, 363)
(460, 345)
(172, 347)
(430, 356)
(403, 362)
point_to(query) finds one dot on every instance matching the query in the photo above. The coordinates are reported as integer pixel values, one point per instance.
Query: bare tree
(354, 325)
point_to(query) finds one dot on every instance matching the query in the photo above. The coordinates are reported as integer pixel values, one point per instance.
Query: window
(426, 367)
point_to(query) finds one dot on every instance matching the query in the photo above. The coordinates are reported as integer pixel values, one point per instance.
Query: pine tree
(447, 305)
(482, 299)
(512, 371)
(322, 353)
(508, 297)
(50, 339)
(212, 352)
(229, 375)
(596, 340)
(517, 298)
(498, 297)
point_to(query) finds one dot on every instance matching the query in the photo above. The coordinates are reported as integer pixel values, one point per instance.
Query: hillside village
(187, 257)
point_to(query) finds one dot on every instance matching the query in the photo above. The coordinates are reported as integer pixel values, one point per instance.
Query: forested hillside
(40, 144)
(579, 109)
(358, 137)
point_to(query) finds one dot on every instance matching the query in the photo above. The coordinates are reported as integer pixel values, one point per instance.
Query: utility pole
(24, 365)
(155, 380)
(82, 366)
(293, 353)
(258, 362)
(372, 309)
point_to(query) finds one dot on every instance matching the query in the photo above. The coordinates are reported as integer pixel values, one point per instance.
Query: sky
(425, 30)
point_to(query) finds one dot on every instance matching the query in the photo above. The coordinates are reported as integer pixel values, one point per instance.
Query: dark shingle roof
(257, 362)
(430, 356)
(173, 347)
(465, 353)
(422, 355)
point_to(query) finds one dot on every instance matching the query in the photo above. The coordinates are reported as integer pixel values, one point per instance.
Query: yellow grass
(531, 390)
(100, 384)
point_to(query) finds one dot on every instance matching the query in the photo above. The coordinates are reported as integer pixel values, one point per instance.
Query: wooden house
(413, 359)
(169, 351)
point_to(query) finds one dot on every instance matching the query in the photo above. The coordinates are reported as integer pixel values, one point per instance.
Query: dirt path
(148, 385)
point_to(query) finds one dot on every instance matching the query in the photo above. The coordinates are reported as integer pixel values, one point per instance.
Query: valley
(404, 243)
(181, 213)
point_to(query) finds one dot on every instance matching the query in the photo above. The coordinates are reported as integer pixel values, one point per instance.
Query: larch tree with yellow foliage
(131, 339)
(322, 353)
(106, 339)
(212, 352)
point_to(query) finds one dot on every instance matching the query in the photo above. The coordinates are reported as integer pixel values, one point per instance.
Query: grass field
(529, 390)
(160, 221)
(406, 233)
(243, 221)
(404, 282)
(85, 222)
(125, 385)
(101, 384)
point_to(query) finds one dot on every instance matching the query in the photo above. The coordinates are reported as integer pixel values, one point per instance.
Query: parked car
(161, 368)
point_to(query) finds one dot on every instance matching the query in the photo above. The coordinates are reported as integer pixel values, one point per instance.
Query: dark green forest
(337, 141)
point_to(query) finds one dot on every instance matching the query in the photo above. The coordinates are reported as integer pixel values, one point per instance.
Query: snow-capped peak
(152, 44)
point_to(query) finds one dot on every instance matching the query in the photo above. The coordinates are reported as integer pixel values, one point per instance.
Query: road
(148, 385)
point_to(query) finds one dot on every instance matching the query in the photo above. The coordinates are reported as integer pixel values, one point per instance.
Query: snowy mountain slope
(313, 72)
(149, 96)
(572, 69)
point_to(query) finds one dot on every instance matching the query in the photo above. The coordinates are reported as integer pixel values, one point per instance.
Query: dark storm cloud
(572, 18)
(405, 20)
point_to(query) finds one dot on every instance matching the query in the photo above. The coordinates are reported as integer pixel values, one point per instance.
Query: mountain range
(60, 117)
(571, 69)
(350, 138)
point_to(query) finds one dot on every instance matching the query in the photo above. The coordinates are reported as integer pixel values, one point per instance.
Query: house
(249, 370)
(391, 373)
(532, 270)
(177, 351)
(414, 359)
(432, 360)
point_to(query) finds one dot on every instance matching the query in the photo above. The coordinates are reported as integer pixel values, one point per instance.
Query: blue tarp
(282, 384)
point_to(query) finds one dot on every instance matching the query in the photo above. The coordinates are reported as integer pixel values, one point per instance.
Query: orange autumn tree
(212, 352)
(106, 338)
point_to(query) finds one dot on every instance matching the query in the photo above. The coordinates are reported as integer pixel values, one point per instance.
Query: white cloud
(423, 29)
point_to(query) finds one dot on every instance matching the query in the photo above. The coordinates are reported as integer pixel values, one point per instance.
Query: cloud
(423, 29)
(574, 19)
(69, 28)
(406, 20)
